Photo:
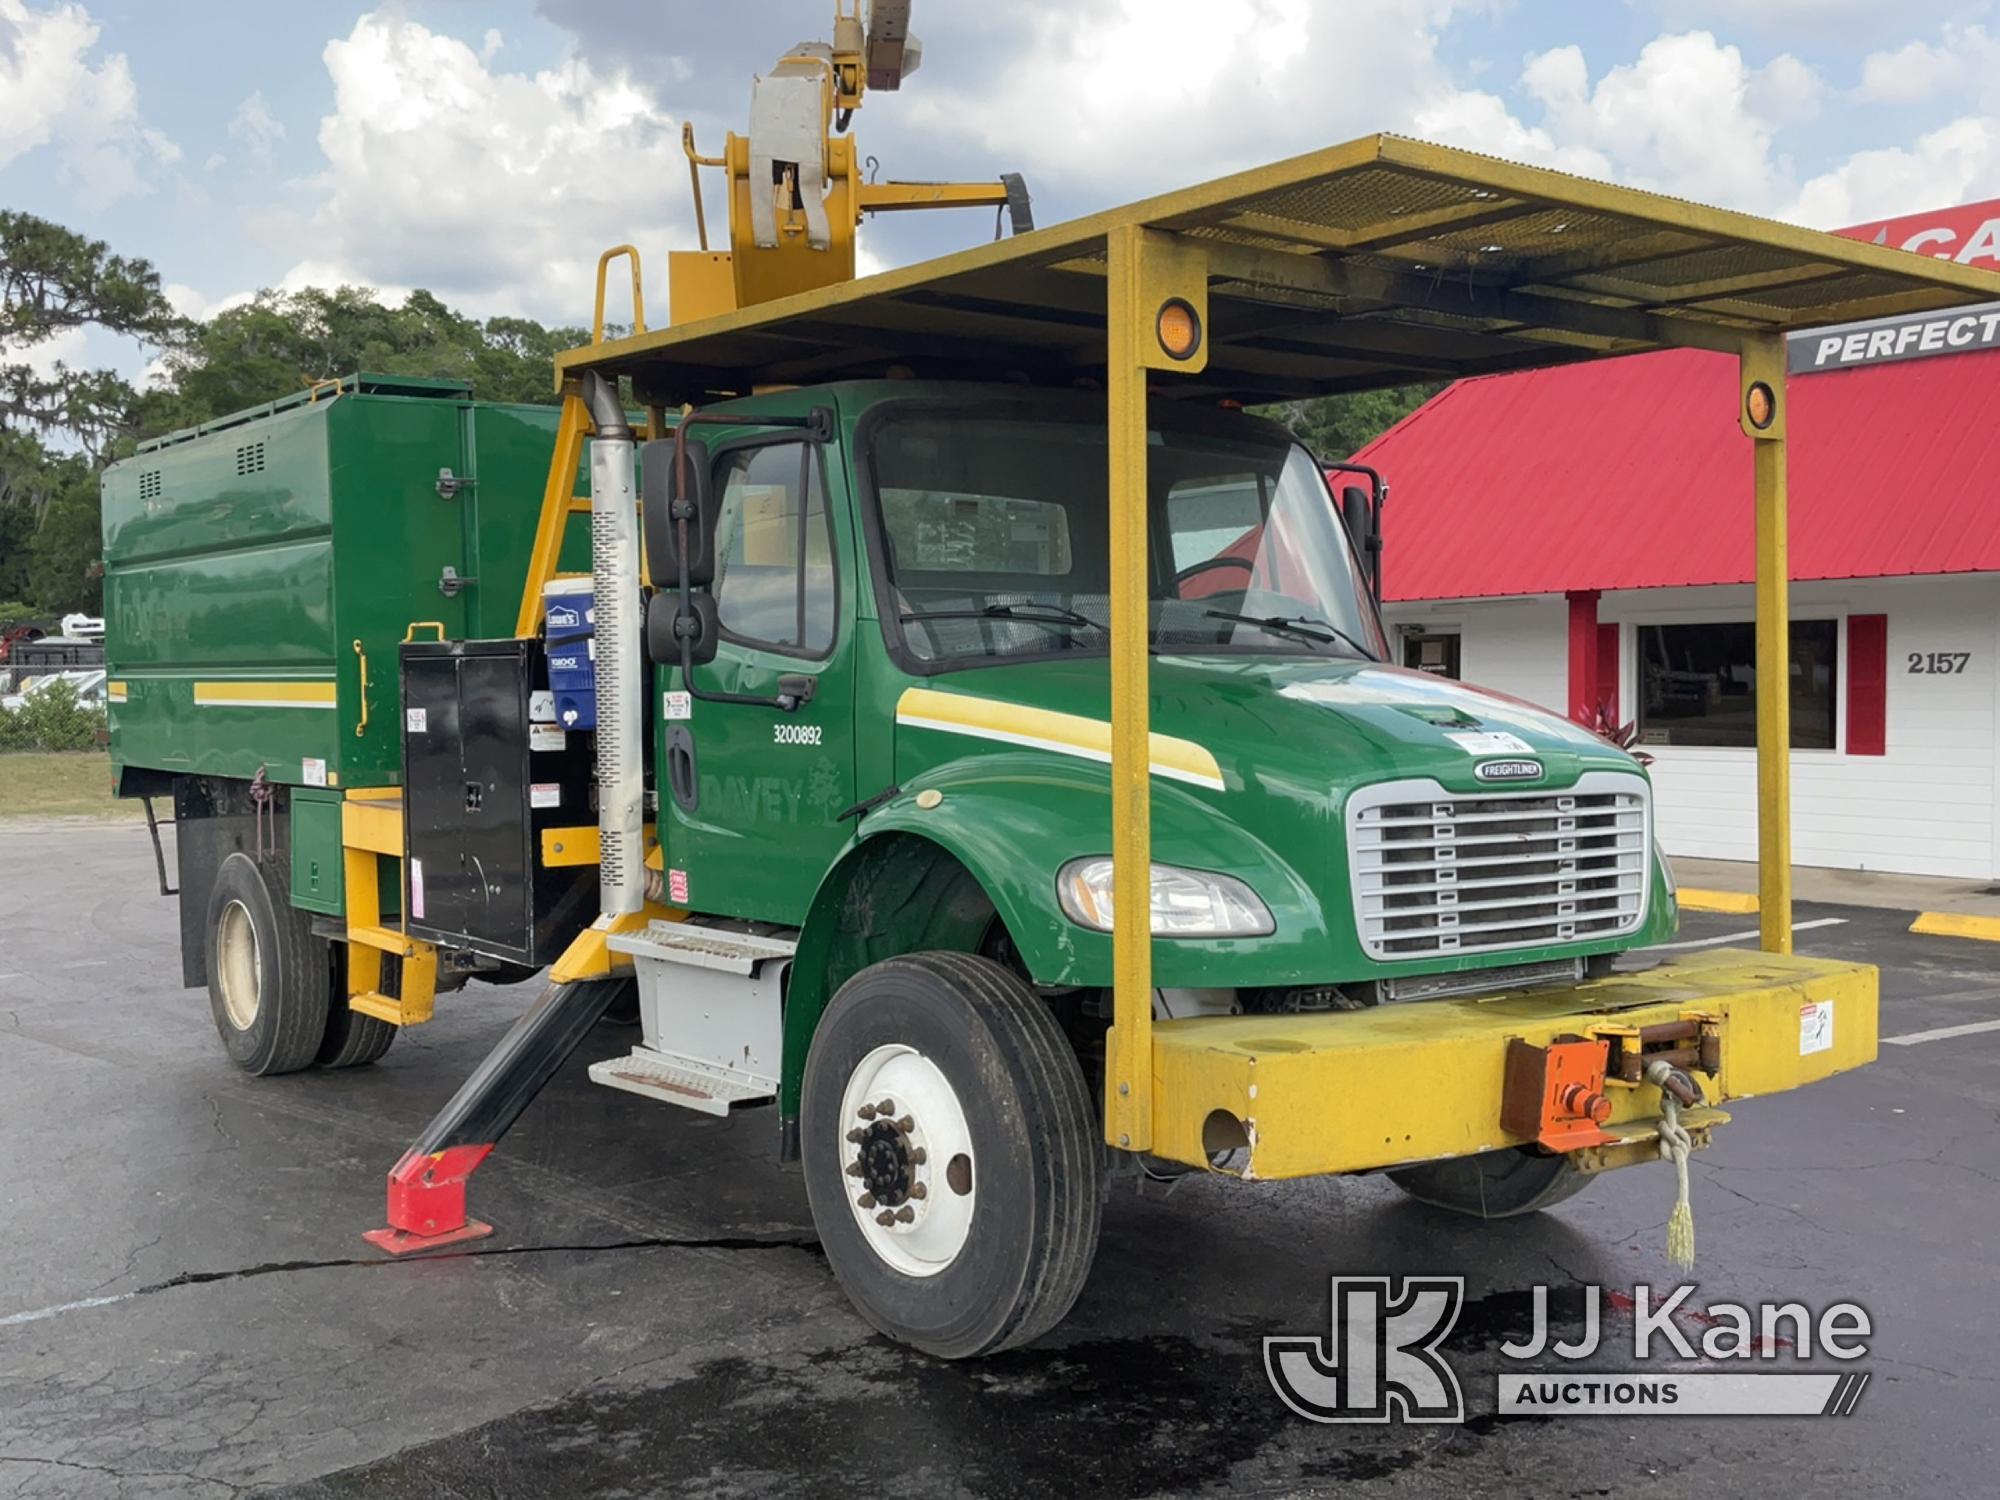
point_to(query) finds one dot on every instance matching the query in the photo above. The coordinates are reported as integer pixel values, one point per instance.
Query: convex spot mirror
(669, 620)
(660, 488)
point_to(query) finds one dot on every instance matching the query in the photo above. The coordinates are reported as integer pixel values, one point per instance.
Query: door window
(774, 579)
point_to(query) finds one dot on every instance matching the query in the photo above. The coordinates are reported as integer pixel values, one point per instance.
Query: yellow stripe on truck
(1045, 729)
(241, 694)
(115, 691)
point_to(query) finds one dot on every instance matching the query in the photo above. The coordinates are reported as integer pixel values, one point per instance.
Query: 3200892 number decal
(1939, 663)
(795, 734)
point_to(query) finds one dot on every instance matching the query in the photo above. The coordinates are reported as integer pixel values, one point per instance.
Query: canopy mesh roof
(1378, 262)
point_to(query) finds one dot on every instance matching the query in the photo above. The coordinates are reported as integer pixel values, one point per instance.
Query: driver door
(759, 829)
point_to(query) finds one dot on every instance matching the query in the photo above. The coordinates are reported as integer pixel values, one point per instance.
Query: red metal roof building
(1583, 536)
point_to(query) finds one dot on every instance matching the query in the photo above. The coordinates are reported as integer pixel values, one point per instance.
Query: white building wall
(1514, 646)
(1927, 806)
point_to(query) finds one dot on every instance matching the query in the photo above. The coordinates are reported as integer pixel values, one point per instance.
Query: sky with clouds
(487, 151)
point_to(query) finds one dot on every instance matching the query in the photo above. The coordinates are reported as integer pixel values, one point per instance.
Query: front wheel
(1493, 1184)
(951, 1154)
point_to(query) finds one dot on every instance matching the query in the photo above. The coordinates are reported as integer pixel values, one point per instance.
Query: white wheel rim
(914, 1166)
(236, 964)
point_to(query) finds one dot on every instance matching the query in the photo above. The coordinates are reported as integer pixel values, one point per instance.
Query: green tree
(54, 281)
(1338, 427)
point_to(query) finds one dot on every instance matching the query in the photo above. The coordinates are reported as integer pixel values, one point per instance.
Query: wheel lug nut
(918, 1190)
(918, 1156)
(904, 1215)
(886, 1107)
(885, 1218)
(867, 1111)
(856, 1136)
(907, 1124)
(867, 1200)
(855, 1169)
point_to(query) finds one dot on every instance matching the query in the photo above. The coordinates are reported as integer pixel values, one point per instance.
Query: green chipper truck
(936, 627)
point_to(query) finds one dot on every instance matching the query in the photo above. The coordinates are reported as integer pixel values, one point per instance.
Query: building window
(1435, 652)
(1698, 684)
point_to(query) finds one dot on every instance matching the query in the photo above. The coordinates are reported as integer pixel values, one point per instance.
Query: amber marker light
(1179, 329)
(1760, 405)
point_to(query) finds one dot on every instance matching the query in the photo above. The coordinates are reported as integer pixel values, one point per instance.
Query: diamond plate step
(702, 947)
(676, 1081)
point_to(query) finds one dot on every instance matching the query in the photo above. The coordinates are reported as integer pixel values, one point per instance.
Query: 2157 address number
(1939, 663)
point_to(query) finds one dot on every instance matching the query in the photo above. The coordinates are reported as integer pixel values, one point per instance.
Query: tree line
(60, 428)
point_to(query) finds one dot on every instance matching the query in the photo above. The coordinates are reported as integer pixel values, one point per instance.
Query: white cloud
(495, 190)
(1689, 116)
(52, 95)
(256, 127)
(1958, 163)
(1965, 60)
(1123, 97)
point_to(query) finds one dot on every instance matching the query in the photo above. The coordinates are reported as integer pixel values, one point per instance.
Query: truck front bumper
(1354, 1091)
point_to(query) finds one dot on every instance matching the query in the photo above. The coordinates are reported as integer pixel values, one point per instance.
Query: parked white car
(89, 688)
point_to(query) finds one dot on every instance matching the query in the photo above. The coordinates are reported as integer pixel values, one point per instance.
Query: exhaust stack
(614, 581)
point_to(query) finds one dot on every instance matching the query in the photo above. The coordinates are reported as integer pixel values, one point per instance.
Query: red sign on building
(1969, 234)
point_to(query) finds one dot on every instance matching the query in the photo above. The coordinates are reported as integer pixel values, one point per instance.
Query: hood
(1312, 727)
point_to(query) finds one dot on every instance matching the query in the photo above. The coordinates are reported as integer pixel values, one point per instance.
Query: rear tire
(1493, 1184)
(352, 1040)
(991, 1165)
(268, 976)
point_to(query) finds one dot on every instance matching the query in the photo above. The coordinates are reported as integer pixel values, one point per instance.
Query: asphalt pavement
(187, 1308)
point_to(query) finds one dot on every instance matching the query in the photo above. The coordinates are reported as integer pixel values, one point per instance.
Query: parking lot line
(1939, 1034)
(1737, 937)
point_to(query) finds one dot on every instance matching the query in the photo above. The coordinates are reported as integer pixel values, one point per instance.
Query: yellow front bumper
(1352, 1091)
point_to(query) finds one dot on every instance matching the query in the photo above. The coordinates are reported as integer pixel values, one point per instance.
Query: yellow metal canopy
(1378, 262)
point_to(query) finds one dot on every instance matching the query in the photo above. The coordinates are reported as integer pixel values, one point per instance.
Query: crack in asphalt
(808, 1243)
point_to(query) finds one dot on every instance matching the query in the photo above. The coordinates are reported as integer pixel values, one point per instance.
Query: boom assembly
(974, 736)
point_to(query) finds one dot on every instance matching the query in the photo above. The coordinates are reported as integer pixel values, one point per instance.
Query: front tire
(987, 1167)
(1493, 1184)
(268, 976)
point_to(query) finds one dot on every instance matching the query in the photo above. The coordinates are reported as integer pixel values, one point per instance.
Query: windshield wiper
(1053, 615)
(1304, 627)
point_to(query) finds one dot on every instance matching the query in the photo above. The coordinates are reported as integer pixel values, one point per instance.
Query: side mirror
(663, 508)
(670, 623)
(1364, 524)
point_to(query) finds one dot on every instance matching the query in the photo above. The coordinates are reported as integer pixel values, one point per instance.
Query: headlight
(1186, 903)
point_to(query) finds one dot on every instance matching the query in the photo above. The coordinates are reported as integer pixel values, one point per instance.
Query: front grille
(1435, 873)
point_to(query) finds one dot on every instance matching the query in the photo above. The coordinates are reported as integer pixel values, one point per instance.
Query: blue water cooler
(572, 642)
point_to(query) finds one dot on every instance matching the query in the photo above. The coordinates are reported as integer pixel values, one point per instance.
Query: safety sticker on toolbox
(417, 889)
(677, 887)
(414, 720)
(1815, 1027)
(545, 794)
(312, 772)
(547, 737)
(1490, 742)
(541, 707)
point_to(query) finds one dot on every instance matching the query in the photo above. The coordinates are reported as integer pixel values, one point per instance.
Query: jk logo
(1380, 1361)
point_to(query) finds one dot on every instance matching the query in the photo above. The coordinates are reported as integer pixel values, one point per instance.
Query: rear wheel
(951, 1154)
(352, 1040)
(1493, 1184)
(268, 976)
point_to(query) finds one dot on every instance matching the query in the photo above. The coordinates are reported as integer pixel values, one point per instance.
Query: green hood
(1271, 748)
(1320, 726)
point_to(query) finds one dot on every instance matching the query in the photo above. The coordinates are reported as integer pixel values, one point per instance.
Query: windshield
(997, 542)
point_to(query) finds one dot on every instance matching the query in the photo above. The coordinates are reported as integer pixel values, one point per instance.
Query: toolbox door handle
(361, 727)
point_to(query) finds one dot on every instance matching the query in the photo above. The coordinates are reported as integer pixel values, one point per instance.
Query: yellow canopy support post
(1761, 412)
(1128, 1081)
(1147, 271)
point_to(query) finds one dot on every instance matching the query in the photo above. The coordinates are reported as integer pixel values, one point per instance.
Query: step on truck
(983, 754)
